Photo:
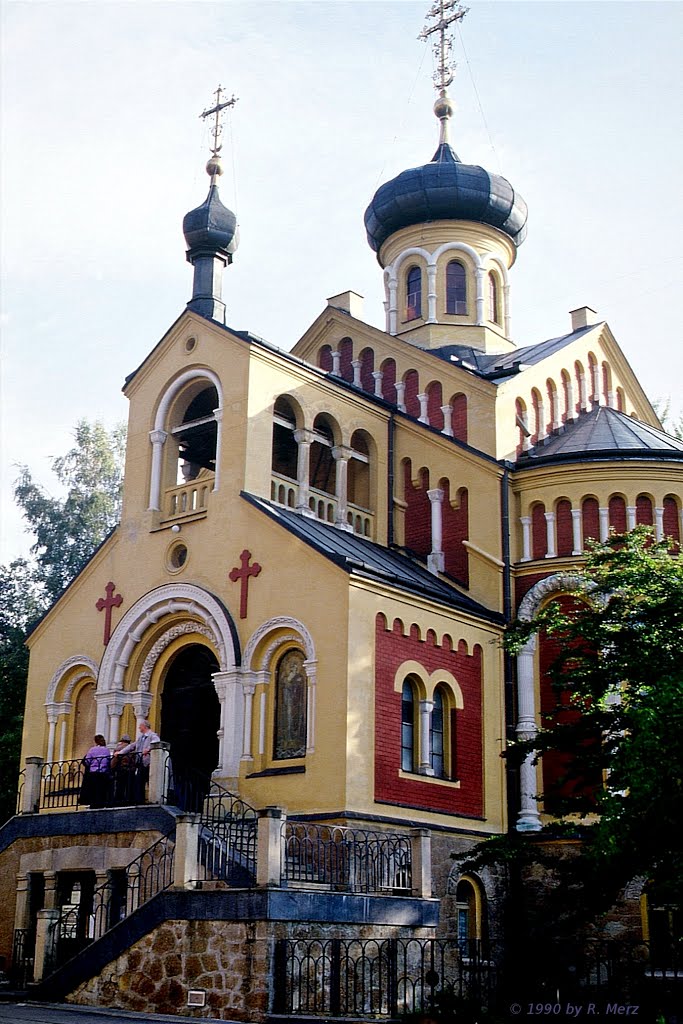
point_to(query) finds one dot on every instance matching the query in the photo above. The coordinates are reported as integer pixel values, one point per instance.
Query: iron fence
(352, 859)
(379, 977)
(125, 890)
(20, 790)
(228, 826)
(23, 947)
(110, 784)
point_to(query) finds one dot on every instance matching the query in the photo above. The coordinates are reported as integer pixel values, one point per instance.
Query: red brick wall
(418, 515)
(591, 519)
(459, 419)
(539, 532)
(617, 513)
(346, 353)
(523, 584)
(672, 527)
(412, 382)
(325, 358)
(434, 403)
(644, 511)
(389, 380)
(393, 648)
(563, 525)
(455, 531)
(367, 365)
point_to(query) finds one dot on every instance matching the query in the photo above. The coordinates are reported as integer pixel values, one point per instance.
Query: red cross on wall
(243, 574)
(106, 604)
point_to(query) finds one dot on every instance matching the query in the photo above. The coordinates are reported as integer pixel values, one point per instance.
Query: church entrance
(190, 719)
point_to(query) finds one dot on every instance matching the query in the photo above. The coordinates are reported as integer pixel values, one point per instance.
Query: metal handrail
(337, 856)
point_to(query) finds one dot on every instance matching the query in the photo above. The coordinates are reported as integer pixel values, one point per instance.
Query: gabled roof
(610, 433)
(506, 364)
(363, 557)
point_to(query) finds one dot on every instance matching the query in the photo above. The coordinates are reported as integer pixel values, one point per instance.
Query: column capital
(342, 452)
(303, 435)
(158, 436)
(435, 494)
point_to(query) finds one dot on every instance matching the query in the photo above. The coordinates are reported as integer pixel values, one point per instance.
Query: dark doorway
(190, 719)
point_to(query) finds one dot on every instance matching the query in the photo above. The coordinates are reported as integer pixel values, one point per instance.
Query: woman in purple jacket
(97, 775)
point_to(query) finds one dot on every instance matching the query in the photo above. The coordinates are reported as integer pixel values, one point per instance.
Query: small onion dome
(211, 226)
(445, 189)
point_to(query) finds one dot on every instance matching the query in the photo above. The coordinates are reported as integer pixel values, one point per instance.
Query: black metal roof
(210, 226)
(365, 558)
(610, 433)
(445, 189)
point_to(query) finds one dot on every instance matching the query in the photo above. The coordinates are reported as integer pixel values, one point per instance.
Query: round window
(190, 344)
(176, 557)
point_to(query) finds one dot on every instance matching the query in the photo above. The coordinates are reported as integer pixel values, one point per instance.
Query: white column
(62, 740)
(303, 439)
(447, 411)
(631, 517)
(435, 561)
(115, 713)
(218, 416)
(506, 309)
(595, 376)
(341, 455)
(401, 395)
(425, 766)
(612, 399)
(556, 416)
(542, 432)
(228, 686)
(431, 293)
(356, 364)
(479, 283)
(378, 376)
(158, 439)
(392, 325)
(52, 716)
(336, 362)
(529, 819)
(248, 691)
(311, 667)
(577, 522)
(551, 542)
(424, 414)
(263, 707)
(526, 538)
(603, 516)
(659, 523)
(583, 397)
(571, 411)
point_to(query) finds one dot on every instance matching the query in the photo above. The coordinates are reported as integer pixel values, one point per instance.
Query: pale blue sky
(103, 152)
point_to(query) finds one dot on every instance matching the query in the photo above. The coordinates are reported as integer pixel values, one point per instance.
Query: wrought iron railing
(23, 946)
(357, 860)
(379, 977)
(228, 826)
(20, 790)
(114, 783)
(125, 890)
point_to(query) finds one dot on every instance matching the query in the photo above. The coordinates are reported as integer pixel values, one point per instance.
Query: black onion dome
(211, 226)
(445, 189)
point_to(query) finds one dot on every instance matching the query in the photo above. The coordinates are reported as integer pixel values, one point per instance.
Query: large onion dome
(211, 225)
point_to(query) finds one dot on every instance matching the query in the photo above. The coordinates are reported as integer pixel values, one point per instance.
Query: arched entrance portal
(190, 719)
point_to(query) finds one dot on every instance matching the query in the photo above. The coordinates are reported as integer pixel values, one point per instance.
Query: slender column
(185, 861)
(571, 411)
(356, 364)
(435, 561)
(401, 395)
(336, 362)
(304, 439)
(612, 399)
(392, 324)
(603, 517)
(378, 376)
(158, 439)
(269, 846)
(248, 691)
(542, 432)
(431, 293)
(424, 413)
(115, 713)
(529, 819)
(341, 455)
(447, 411)
(421, 856)
(583, 396)
(577, 522)
(479, 302)
(228, 686)
(556, 418)
(551, 543)
(506, 309)
(595, 381)
(62, 740)
(659, 523)
(30, 794)
(262, 723)
(425, 766)
(311, 668)
(526, 538)
(631, 517)
(52, 716)
(218, 416)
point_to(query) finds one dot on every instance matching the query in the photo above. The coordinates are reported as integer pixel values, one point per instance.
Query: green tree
(69, 529)
(22, 601)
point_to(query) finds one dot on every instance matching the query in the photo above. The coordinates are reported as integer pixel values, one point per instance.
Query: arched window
(539, 531)
(436, 735)
(590, 518)
(672, 519)
(494, 299)
(617, 513)
(456, 288)
(470, 918)
(322, 465)
(414, 293)
(196, 436)
(644, 510)
(291, 686)
(359, 471)
(459, 416)
(434, 404)
(408, 705)
(564, 527)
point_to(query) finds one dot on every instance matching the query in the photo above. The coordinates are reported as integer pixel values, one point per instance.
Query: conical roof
(610, 433)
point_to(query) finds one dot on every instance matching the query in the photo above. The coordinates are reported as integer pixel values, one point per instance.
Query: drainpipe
(391, 427)
(511, 773)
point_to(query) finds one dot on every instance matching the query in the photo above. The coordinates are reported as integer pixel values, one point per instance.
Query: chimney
(348, 302)
(584, 316)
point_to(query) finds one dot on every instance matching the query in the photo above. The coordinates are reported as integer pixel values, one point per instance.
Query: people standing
(97, 776)
(141, 748)
(123, 773)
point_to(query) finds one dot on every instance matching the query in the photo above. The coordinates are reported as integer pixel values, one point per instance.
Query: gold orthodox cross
(217, 110)
(447, 12)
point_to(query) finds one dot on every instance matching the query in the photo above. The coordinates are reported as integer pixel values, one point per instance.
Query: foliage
(69, 529)
(621, 667)
(22, 600)
(673, 426)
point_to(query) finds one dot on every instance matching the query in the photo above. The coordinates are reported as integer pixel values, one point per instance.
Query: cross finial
(217, 109)
(445, 13)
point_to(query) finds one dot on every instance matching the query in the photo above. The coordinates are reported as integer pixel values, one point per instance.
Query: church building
(305, 598)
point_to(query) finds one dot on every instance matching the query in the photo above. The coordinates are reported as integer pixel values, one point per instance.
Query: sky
(102, 152)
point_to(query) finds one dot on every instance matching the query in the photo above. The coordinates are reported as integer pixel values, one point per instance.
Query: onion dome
(445, 189)
(212, 225)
